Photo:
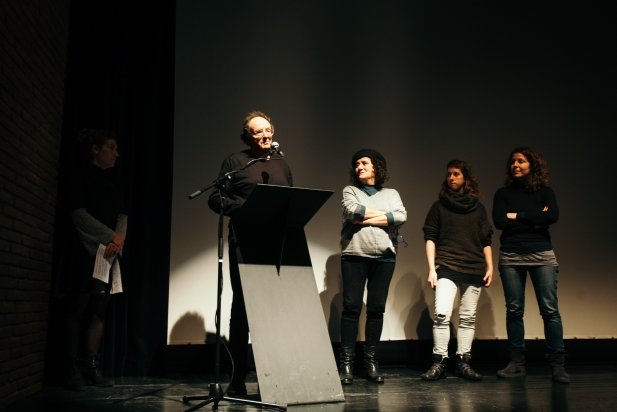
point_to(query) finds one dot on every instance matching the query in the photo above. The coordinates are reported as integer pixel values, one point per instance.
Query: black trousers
(238, 322)
(375, 276)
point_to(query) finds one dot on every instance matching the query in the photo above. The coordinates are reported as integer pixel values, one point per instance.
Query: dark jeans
(357, 274)
(544, 279)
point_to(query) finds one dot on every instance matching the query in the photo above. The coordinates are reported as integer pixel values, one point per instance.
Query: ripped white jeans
(445, 293)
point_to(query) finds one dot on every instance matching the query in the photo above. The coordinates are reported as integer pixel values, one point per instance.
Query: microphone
(274, 148)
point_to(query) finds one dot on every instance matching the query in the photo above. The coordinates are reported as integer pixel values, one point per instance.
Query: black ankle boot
(515, 368)
(437, 369)
(559, 369)
(92, 373)
(464, 370)
(347, 354)
(372, 333)
(371, 365)
(346, 362)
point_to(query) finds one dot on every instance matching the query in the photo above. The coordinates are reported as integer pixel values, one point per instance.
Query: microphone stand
(216, 393)
(219, 183)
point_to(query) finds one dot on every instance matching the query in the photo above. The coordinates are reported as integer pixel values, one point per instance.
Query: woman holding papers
(88, 271)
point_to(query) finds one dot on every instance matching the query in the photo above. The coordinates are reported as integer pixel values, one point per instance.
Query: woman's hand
(111, 250)
(119, 240)
(378, 220)
(432, 278)
(488, 278)
(114, 247)
(512, 215)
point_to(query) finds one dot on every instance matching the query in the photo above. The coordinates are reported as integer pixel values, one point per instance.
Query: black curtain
(120, 77)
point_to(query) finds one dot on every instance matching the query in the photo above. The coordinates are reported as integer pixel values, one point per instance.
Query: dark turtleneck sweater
(237, 189)
(530, 231)
(459, 226)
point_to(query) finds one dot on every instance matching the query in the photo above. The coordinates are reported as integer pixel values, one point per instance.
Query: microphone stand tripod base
(216, 395)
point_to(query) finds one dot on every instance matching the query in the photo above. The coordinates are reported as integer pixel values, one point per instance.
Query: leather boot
(559, 371)
(92, 373)
(371, 365)
(347, 354)
(346, 363)
(437, 369)
(464, 370)
(515, 368)
(372, 333)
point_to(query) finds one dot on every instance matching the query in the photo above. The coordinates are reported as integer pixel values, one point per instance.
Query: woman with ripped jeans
(458, 250)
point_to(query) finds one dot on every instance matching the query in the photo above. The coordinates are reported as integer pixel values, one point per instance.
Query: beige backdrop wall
(423, 85)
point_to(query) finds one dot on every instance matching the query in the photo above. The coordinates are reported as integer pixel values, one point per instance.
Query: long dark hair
(470, 187)
(538, 170)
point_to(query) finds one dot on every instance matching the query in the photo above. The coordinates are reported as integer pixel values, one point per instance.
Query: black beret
(373, 154)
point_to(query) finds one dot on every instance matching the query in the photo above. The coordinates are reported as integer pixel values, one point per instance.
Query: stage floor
(592, 389)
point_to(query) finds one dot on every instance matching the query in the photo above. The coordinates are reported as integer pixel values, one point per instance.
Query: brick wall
(33, 43)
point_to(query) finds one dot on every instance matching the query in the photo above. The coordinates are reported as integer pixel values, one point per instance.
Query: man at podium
(266, 166)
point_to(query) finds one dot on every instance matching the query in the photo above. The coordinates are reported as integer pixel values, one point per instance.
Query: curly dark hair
(245, 136)
(381, 173)
(538, 173)
(471, 186)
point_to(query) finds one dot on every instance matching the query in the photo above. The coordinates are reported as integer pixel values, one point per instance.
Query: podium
(291, 346)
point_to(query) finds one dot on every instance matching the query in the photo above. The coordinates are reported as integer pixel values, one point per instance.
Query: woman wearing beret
(372, 215)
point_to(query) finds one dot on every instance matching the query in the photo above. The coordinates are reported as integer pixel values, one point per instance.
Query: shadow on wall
(332, 300)
(190, 327)
(331, 297)
(418, 320)
(485, 315)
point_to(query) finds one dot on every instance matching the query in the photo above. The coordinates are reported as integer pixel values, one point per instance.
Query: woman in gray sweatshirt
(372, 215)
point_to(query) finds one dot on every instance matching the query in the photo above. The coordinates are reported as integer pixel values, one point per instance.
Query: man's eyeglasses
(257, 134)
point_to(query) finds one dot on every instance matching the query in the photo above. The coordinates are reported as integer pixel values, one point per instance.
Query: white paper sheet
(103, 267)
